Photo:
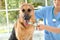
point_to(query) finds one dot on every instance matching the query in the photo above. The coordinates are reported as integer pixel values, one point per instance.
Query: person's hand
(40, 27)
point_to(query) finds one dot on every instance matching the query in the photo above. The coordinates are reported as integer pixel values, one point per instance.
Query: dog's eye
(23, 10)
(29, 10)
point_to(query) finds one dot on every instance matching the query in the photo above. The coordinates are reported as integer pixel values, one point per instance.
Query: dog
(23, 28)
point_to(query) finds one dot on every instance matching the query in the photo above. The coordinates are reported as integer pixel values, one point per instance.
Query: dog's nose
(27, 16)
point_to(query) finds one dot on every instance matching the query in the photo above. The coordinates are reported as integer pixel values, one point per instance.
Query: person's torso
(54, 21)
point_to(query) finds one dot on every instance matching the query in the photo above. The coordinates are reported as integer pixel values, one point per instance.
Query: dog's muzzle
(27, 16)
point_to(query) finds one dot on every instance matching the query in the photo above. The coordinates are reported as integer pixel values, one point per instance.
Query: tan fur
(21, 32)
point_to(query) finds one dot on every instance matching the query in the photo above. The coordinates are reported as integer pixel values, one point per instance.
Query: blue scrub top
(47, 13)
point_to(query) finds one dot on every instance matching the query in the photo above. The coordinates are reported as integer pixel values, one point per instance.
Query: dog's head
(26, 14)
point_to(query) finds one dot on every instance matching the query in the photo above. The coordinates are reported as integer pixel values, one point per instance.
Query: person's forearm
(52, 29)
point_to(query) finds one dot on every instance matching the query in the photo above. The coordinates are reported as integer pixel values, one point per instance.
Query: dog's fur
(20, 31)
(13, 36)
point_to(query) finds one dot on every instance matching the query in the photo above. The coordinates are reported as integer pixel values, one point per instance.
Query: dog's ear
(30, 4)
(22, 3)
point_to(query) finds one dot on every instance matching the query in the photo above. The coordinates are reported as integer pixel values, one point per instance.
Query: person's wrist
(45, 27)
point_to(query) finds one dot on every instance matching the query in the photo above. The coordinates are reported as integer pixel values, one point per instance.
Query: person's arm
(49, 28)
(52, 29)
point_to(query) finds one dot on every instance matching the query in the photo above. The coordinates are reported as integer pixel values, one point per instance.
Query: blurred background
(9, 10)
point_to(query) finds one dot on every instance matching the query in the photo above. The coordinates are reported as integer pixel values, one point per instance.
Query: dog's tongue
(26, 22)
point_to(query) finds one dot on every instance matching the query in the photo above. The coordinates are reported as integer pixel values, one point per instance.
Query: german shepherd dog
(23, 28)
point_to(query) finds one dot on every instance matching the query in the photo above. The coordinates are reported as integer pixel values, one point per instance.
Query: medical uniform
(47, 13)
